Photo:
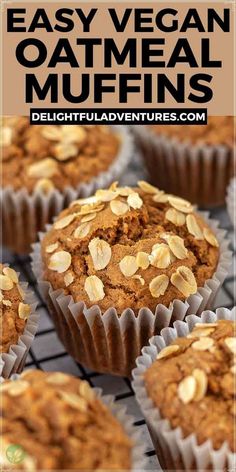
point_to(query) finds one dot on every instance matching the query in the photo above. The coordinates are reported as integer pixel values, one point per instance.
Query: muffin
(115, 251)
(45, 166)
(18, 321)
(193, 161)
(59, 423)
(185, 387)
(127, 254)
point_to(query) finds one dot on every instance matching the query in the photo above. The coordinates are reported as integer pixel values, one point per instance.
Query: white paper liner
(231, 200)
(138, 458)
(24, 214)
(14, 360)
(199, 173)
(175, 451)
(106, 342)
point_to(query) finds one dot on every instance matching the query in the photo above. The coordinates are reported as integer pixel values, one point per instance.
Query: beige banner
(137, 4)
(221, 48)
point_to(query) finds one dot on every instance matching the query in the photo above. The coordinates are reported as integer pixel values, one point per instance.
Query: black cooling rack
(47, 353)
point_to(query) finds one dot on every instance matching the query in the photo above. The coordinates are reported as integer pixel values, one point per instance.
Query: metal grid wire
(47, 352)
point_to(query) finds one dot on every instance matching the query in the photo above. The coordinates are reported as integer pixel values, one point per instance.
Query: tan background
(222, 47)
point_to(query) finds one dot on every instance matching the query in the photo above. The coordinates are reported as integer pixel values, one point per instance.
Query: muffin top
(14, 311)
(47, 156)
(219, 130)
(192, 383)
(61, 424)
(129, 248)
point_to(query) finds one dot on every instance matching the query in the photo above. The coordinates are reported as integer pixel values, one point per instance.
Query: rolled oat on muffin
(44, 167)
(193, 161)
(18, 321)
(184, 384)
(59, 422)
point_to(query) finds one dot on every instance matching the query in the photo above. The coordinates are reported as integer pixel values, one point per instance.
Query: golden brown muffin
(128, 247)
(13, 311)
(192, 383)
(61, 424)
(219, 130)
(47, 156)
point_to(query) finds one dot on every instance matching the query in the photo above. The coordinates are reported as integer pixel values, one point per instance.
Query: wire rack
(47, 352)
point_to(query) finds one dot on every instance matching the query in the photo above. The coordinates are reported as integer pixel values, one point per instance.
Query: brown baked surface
(219, 130)
(13, 309)
(69, 265)
(61, 424)
(63, 155)
(208, 409)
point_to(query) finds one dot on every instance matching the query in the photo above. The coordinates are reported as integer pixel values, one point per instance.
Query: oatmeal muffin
(193, 161)
(51, 165)
(46, 157)
(129, 247)
(60, 424)
(15, 312)
(118, 267)
(191, 385)
(218, 131)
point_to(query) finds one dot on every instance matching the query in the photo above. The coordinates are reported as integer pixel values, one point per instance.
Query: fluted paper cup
(106, 342)
(199, 173)
(173, 450)
(14, 360)
(138, 458)
(24, 214)
(231, 200)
